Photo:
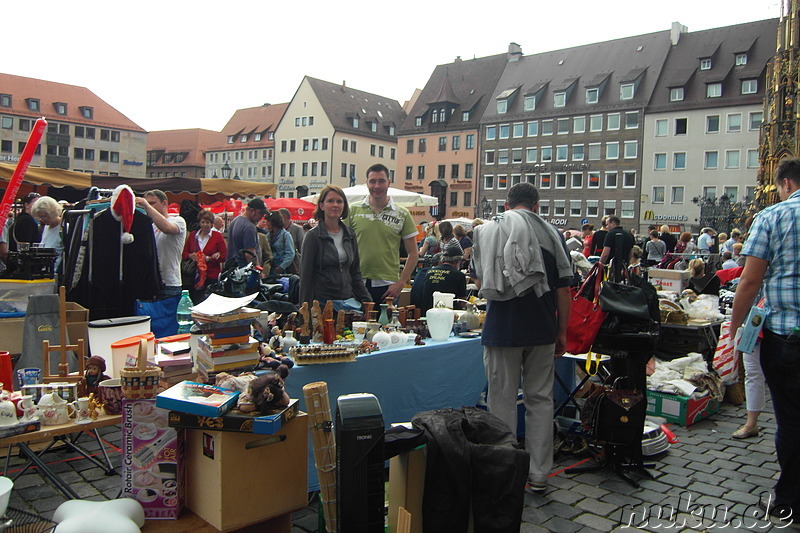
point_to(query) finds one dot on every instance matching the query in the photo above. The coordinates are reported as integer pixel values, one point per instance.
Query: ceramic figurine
(94, 406)
(28, 408)
(276, 340)
(327, 311)
(304, 323)
(340, 322)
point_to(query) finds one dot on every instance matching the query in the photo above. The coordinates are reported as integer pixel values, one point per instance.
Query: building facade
(438, 142)
(245, 149)
(179, 153)
(332, 133)
(84, 133)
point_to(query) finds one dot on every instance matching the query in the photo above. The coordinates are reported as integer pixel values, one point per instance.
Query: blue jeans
(780, 361)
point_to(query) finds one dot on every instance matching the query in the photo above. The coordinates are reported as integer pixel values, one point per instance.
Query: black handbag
(616, 413)
(188, 273)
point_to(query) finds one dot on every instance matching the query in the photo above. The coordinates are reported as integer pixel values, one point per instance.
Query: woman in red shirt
(211, 244)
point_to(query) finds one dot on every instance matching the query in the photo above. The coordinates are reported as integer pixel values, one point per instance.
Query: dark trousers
(780, 361)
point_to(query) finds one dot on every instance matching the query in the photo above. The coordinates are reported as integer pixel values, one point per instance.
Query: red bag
(585, 315)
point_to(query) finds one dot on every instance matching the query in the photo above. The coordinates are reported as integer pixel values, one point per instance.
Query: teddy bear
(268, 391)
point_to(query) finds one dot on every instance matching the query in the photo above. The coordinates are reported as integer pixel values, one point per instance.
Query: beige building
(84, 133)
(179, 153)
(332, 133)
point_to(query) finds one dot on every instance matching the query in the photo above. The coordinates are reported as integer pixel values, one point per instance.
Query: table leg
(108, 467)
(49, 474)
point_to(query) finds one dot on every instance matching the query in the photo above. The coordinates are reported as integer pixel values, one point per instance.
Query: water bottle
(185, 321)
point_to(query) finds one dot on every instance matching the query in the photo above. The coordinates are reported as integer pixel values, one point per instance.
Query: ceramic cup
(359, 331)
(110, 392)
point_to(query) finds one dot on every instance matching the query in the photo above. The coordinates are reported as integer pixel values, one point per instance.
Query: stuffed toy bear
(268, 391)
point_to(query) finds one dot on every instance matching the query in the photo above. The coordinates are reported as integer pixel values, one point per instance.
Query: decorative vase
(440, 322)
(471, 318)
(383, 318)
(382, 339)
(289, 341)
(372, 328)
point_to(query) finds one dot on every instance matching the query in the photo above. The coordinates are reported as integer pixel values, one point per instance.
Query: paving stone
(564, 496)
(561, 510)
(589, 490)
(560, 524)
(594, 506)
(707, 489)
(621, 500)
(535, 515)
(530, 528)
(595, 522)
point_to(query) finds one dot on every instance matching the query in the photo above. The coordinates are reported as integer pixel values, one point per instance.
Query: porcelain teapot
(53, 409)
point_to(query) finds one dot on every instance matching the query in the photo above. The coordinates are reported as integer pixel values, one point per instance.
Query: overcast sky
(172, 64)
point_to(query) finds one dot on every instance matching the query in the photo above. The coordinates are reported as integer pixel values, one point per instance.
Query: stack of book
(175, 361)
(225, 344)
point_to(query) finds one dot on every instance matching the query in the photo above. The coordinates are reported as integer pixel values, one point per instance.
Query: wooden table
(60, 433)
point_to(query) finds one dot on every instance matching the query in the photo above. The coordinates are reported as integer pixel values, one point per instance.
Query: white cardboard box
(669, 280)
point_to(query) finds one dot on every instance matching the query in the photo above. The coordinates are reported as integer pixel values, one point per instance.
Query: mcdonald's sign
(649, 214)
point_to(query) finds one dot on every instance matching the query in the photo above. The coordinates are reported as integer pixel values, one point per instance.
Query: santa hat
(122, 207)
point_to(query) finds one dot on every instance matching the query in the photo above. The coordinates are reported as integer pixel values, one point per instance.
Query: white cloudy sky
(171, 64)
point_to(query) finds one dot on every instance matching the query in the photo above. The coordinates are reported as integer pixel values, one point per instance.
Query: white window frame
(546, 154)
(656, 190)
(559, 208)
(608, 184)
(547, 127)
(710, 192)
(595, 149)
(659, 161)
(749, 86)
(740, 59)
(705, 63)
(562, 152)
(560, 180)
(707, 162)
(752, 158)
(544, 208)
(532, 126)
(531, 154)
(579, 124)
(661, 127)
(609, 207)
(714, 90)
(592, 95)
(613, 121)
(488, 182)
(676, 94)
(630, 149)
(733, 159)
(518, 126)
(752, 125)
(560, 99)
(502, 106)
(589, 176)
(578, 152)
(529, 103)
(627, 208)
(575, 208)
(708, 124)
(674, 192)
(486, 158)
(728, 189)
(675, 157)
(549, 183)
(612, 150)
(504, 131)
(730, 123)
(595, 123)
(592, 208)
(491, 133)
(562, 122)
(502, 156)
(627, 91)
(627, 182)
(502, 181)
(576, 180)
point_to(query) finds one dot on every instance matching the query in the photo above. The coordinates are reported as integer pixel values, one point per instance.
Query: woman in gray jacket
(330, 265)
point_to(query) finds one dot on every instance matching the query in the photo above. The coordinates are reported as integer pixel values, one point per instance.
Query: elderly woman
(47, 211)
(330, 268)
(211, 245)
(281, 243)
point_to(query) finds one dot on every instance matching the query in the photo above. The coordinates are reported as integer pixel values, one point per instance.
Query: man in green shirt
(380, 226)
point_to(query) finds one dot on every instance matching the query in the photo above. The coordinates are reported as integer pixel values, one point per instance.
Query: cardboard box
(670, 280)
(153, 470)
(238, 479)
(11, 335)
(683, 410)
(14, 293)
(235, 420)
(198, 399)
(407, 486)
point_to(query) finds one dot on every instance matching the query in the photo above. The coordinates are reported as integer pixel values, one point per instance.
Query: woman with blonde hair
(702, 282)
(430, 244)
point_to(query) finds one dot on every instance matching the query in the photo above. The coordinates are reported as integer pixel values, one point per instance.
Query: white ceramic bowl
(5, 493)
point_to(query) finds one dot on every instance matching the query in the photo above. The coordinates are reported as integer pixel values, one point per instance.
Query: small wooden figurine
(340, 322)
(304, 322)
(316, 322)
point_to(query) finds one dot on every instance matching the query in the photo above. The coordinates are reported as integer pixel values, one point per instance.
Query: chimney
(514, 52)
(457, 60)
(675, 32)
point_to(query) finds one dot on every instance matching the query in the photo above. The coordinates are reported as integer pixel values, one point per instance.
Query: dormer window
(243, 138)
(626, 91)
(355, 122)
(502, 106)
(443, 115)
(231, 139)
(749, 86)
(256, 137)
(5, 100)
(529, 103)
(676, 94)
(271, 136)
(741, 59)
(418, 121)
(391, 130)
(465, 116)
(560, 99)
(33, 104)
(592, 95)
(61, 108)
(87, 112)
(373, 126)
(705, 64)
(713, 90)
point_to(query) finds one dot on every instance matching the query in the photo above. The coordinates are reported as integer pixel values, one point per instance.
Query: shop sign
(650, 215)
(462, 214)
(132, 163)
(554, 167)
(558, 221)
(417, 212)
(461, 186)
(9, 158)
(411, 187)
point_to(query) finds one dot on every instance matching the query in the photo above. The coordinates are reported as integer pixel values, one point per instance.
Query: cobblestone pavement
(708, 480)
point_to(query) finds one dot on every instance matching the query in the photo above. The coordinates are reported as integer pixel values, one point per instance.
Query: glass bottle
(185, 321)
(394, 324)
(383, 319)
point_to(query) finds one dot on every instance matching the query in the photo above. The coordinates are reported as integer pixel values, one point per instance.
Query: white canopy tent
(399, 196)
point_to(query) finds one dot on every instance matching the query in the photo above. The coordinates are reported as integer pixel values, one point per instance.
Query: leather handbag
(585, 314)
(624, 300)
(616, 413)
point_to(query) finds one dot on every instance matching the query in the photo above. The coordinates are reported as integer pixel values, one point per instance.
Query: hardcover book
(235, 420)
(197, 399)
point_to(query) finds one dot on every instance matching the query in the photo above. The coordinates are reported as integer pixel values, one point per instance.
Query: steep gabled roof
(191, 142)
(49, 93)
(251, 120)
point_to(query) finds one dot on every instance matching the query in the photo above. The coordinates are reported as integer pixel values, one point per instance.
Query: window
(77, 153)
(467, 198)
(547, 154)
(314, 144)
(731, 192)
(454, 171)
(488, 181)
(609, 207)
(712, 124)
(676, 196)
(409, 146)
(470, 141)
(732, 158)
(293, 146)
(660, 162)
(561, 180)
(491, 133)
(307, 145)
(502, 181)
(626, 91)
(373, 126)
(631, 120)
(422, 146)
(594, 180)
(355, 122)
(529, 103)
(613, 121)
(612, 150)
(578, 124)
(456, 142)
(544, 208)
(392, 153)
(6, 146)
(5, 100)
(531, 154)
(468, 171)
(7, 123)
(547, 127)
(592, 95)
(303, 169)
(516, 155)
(577, 152)
(631, 149)
(533, 129)
(514, 179)
(291, 169)
(440, 172)
(61, 108)
(681, 126)
(626, 209)
(421, 172)
(594, 152)
(562, 152)
(662, 127)
(710, 160)
(502, 157)
(612, 179)
(679, 161)
(519, 130)
(504, 131)
(489, 157)
(88, 154)
(502, 106)
(705, 64)
(104, 156)
(323, 168)
(740, 59)
(465, 116)
(442, 144)
(754, 124)
(575, 208)
(409, 172)
(285, 143)
(752, 159)
(25, 125)
(417, 122)
(596, 123)
(560, 99)
(713, 90)
(453, 199)
(283, 170)
(592, 208)
(559, 208)
(658, 195)
(544, 181)
(734, 123)
(676, 94)
(530, 178)
(749, 86)
(33, 104)
(577, 180)
(296, 122)
(105, 135)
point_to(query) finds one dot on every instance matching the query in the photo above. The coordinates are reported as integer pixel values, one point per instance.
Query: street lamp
(226, 171)
(486, 207)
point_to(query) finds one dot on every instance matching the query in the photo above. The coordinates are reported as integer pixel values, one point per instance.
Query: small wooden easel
(79, 348)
